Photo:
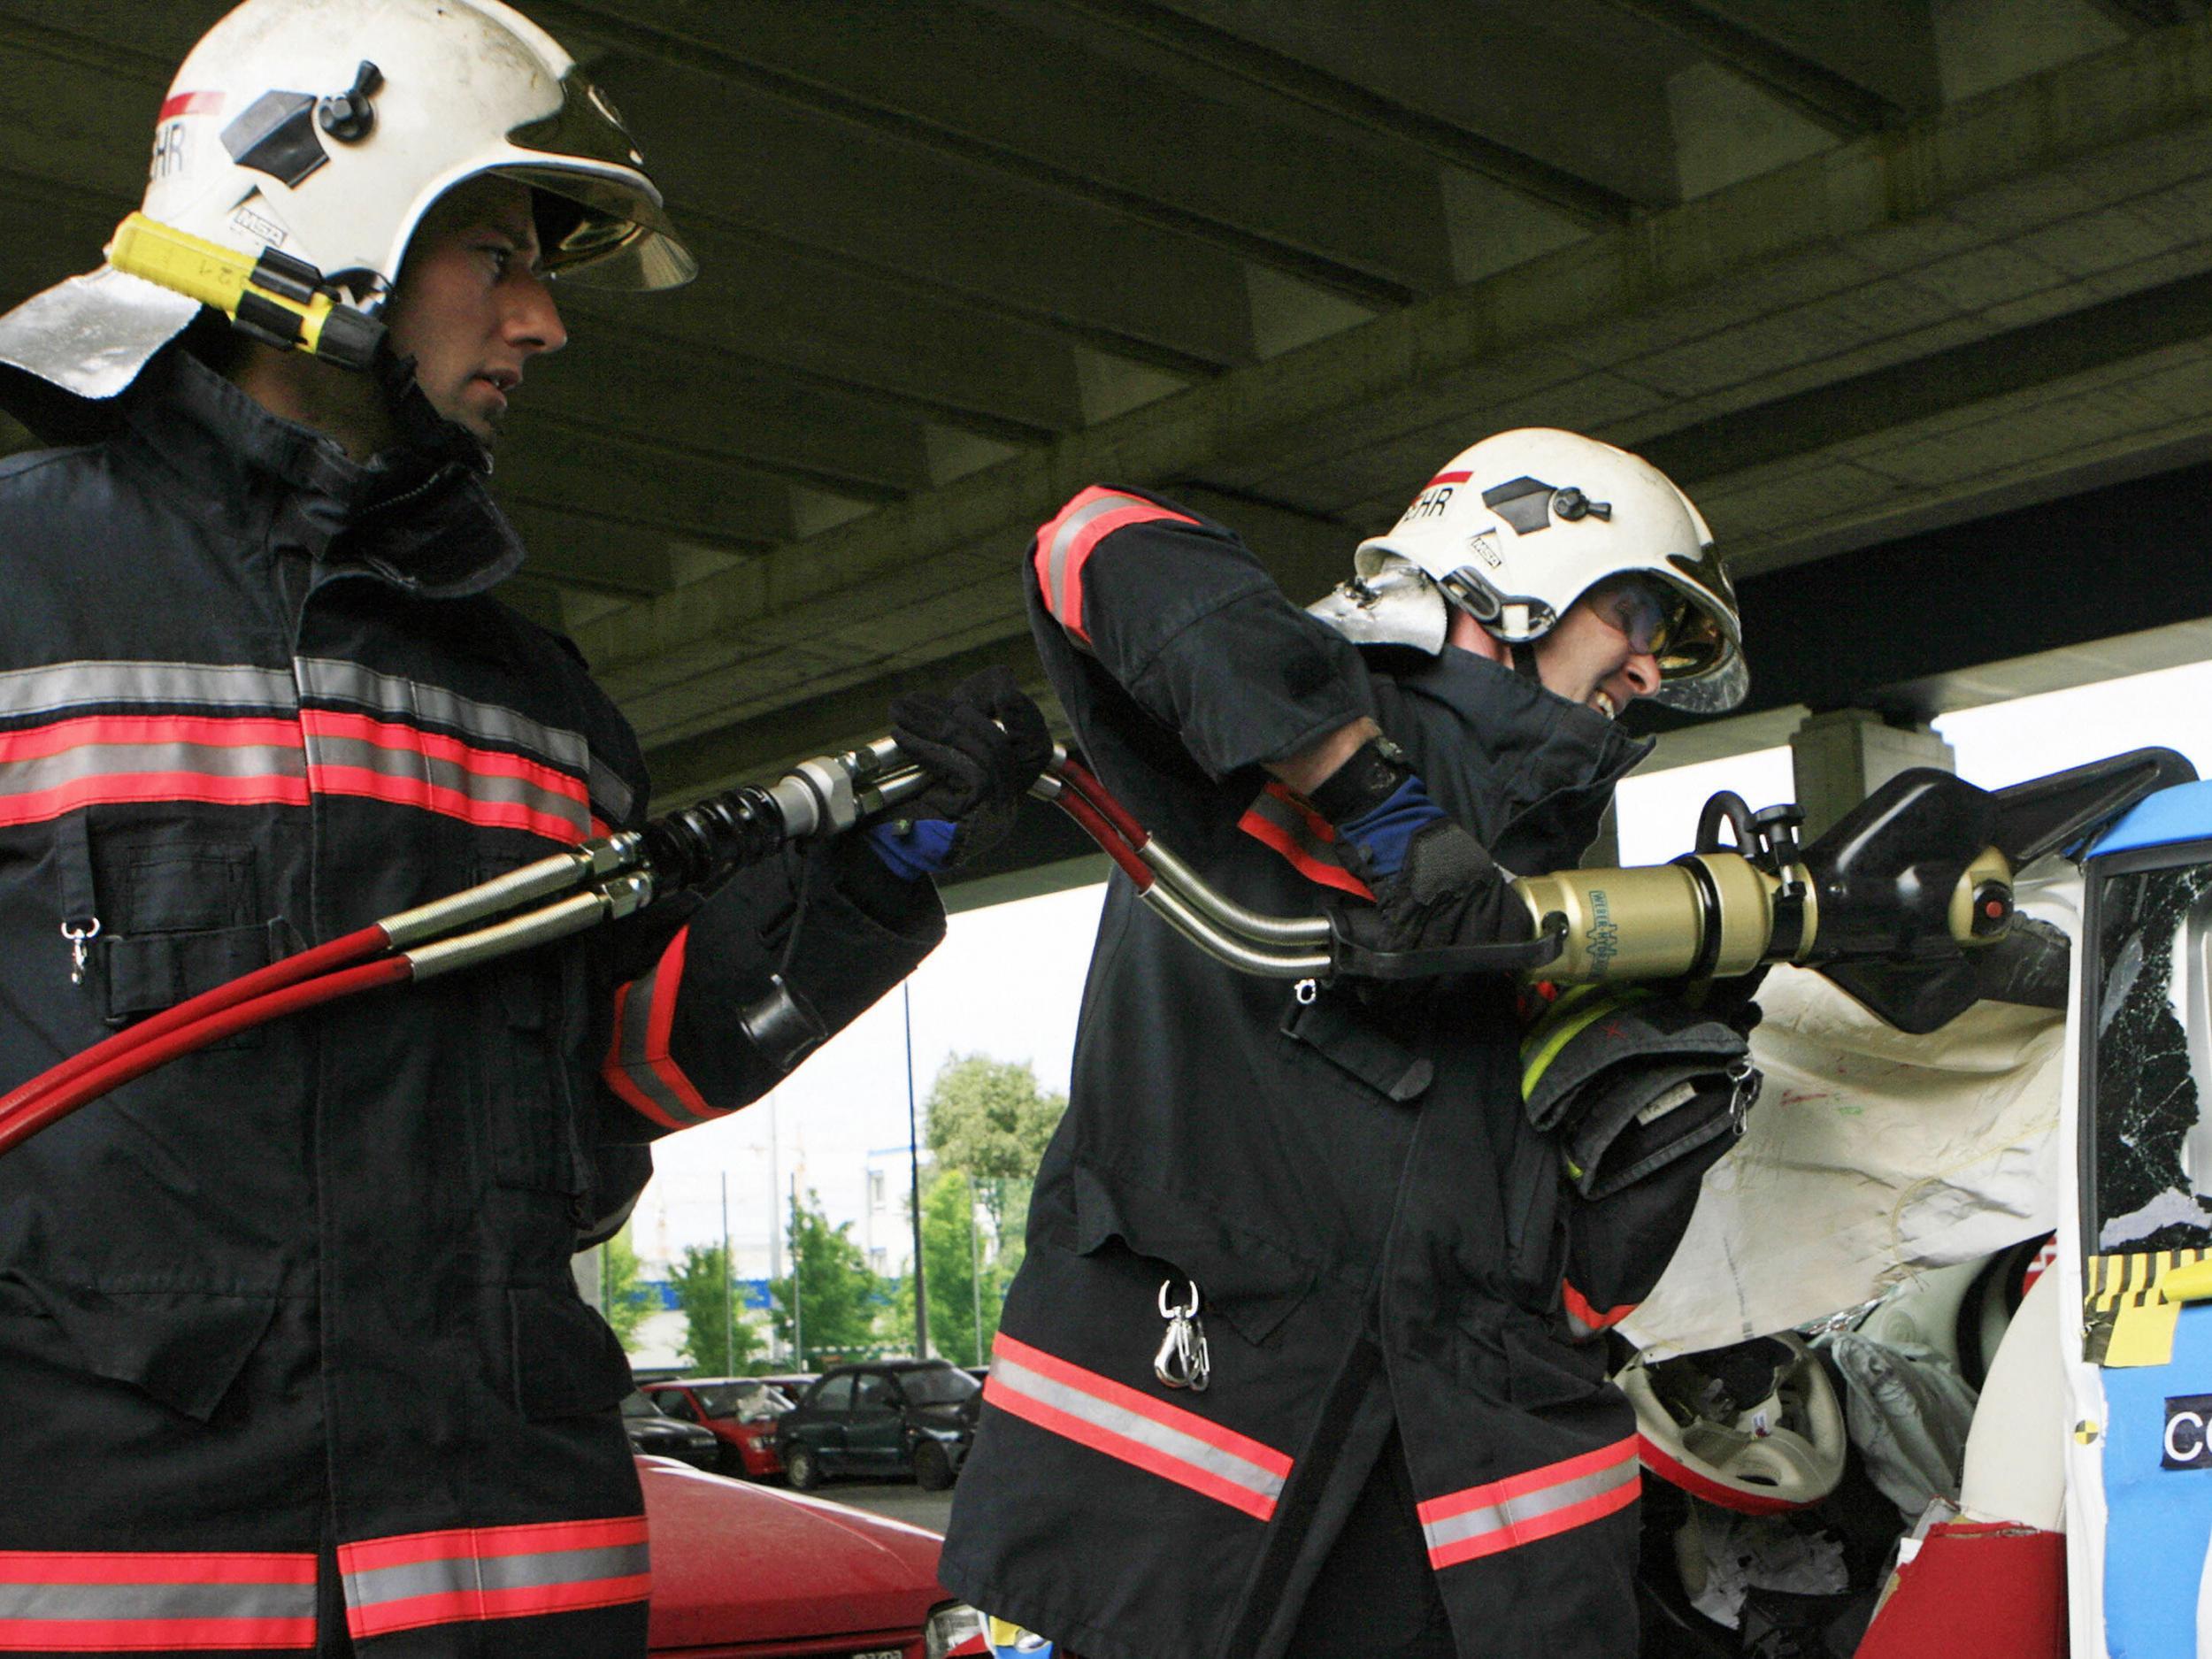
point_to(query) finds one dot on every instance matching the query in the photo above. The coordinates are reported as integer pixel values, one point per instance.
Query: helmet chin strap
(416, 423)
(1524, 655)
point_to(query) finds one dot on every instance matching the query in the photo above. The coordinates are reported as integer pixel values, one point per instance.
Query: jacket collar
(1527, 772)
(427, 518)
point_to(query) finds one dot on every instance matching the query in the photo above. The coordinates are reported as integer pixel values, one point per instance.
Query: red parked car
(741, 1412)
(742, 1572)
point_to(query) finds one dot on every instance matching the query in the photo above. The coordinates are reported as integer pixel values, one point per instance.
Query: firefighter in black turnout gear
(291, 1356)
(1301, 1358)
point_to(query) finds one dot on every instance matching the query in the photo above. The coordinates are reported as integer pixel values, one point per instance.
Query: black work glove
(1449, 893)
(983, 744)
(1731, 1002)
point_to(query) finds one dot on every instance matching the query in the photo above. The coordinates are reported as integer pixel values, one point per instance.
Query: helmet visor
(623, 238)
(616, 237)
(1701, 668)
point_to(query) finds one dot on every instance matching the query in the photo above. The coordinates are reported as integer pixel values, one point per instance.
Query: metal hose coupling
(739, 827)
(816, 797)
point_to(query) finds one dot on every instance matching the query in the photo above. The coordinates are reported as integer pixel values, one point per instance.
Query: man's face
(471, 306)
(1599, 653)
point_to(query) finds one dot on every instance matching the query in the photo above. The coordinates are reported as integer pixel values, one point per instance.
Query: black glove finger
(954, 743)
(1028, 740)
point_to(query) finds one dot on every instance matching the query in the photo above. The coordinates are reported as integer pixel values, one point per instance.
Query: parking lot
(895, 1500)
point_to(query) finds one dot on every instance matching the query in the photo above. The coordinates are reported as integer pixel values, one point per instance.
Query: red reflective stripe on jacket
(127, 1601)
(1537, 1503)
(638, 1066)
(1149, 1434)
(1281, 820)
(1587, 1320)
(395, 1584)
(1065, 544)
(382, 760)
(112, 760)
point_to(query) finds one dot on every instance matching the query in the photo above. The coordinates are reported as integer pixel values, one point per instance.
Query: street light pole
(729, 1285)
(914, 1184)
(798, 1327)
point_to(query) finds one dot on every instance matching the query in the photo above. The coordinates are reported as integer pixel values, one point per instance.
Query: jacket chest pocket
(529, 1005)
(166, 917)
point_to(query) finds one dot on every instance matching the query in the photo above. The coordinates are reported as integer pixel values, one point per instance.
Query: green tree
(702, 1291)
(626, 1301)
(988, 1119)
(837, 1297)
(957, 1252)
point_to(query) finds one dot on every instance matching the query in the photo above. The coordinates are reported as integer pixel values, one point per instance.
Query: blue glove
(1384, 833)
(913, 847)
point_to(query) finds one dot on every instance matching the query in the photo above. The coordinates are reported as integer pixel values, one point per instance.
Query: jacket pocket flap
(1337, 1032)
(568, 1362)
(1252, 1284)
(150, 971)
(184, 1348)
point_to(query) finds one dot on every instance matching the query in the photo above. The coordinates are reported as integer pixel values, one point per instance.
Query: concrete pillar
(1841, 757)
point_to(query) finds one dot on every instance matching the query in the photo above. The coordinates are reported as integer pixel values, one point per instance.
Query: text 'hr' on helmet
(313, 134)
(1516, 529)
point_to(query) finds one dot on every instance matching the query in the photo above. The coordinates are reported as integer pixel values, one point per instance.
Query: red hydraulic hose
(1086, 783)
(19, 1123)
(1095, 823)
(290, 970)
(326, 973)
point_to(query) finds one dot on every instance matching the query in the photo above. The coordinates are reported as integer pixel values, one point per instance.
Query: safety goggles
(1661, 622)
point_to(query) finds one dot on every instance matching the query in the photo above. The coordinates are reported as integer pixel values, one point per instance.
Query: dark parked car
(741, 1569)
(661, 1436)
(738, 1411)
(884, 1418)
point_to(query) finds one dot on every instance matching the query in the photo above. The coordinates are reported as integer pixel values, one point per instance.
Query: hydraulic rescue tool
(1907, 904)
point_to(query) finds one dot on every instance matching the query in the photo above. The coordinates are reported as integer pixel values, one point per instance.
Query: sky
(1008, 979)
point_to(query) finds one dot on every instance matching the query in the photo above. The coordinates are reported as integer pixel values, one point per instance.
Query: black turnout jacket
(1377, 1237)
(291, 1356)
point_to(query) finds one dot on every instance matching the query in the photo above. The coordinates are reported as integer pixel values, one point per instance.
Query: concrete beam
(1907, 196)
(1473, 104)
(697, 398)
(1854, 68)
(755, 165)
(563, 465)
(937, 74)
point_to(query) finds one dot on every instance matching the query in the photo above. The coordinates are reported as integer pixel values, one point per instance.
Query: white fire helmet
(320, 131)
(1516, 529)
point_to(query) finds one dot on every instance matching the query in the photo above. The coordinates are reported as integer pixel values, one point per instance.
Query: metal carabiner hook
(1182, 1360)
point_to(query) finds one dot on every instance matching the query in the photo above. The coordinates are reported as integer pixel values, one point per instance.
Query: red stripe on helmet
(190, 103)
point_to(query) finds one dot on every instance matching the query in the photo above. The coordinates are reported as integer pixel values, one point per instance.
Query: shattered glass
(2154, 1058)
